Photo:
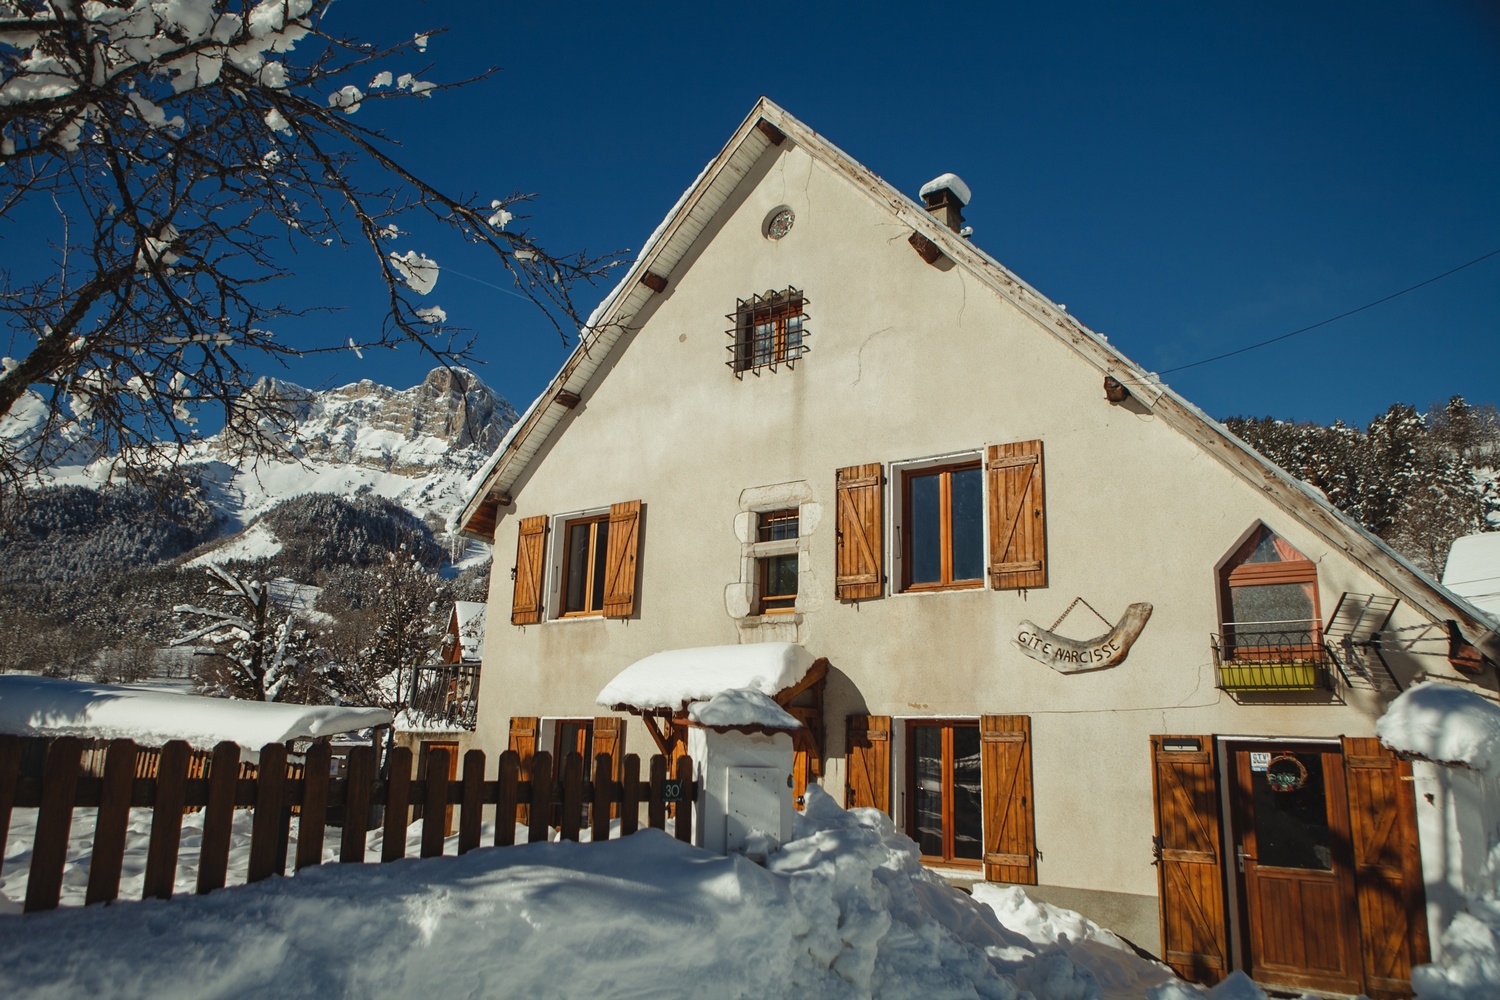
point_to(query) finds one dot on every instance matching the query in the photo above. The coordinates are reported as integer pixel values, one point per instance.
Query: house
(442, 697)
(1473, 571)
(1063, 627)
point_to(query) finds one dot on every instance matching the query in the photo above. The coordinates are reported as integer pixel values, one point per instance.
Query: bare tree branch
(190, 148)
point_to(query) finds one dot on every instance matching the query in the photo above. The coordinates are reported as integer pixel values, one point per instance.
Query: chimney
(945, 197)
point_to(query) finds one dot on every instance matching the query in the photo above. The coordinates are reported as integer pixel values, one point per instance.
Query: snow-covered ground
(844, 910)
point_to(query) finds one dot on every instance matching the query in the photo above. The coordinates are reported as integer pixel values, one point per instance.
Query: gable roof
(769, 125)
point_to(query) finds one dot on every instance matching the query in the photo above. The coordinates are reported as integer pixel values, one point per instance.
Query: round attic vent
(779, 222)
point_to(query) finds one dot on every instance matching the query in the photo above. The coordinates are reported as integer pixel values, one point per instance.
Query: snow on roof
(1473, 571)
(675, 678)
(951, 182)
(46, 706)
(470, 615)
(741, 709)
(1444, 723)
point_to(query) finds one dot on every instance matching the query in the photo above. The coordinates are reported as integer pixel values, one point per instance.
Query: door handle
(1241, 856)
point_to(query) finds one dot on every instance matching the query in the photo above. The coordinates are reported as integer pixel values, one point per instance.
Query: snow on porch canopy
(46, 706)
(673, 679)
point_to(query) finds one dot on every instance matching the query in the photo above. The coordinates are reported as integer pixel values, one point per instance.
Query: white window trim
(552, 597)
(893, 494)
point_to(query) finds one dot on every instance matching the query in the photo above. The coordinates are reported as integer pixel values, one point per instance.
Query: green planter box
(1297, 675)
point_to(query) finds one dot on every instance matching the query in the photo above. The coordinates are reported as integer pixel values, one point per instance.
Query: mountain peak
(451, 419)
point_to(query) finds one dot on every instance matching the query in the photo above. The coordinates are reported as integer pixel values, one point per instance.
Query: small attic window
(769, 331)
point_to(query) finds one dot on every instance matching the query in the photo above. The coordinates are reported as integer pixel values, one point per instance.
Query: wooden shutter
(619, 561)
(523, 733)
(867, 762)
(1387, 866)
(526, 601)
(859, 555)
(1189, 858)
(1005, 787)
(1018, 516)
(609, 737)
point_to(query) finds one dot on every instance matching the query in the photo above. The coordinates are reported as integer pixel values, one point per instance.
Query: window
(572, 736)
(585, 543)
(769, 331)
(1269, 592)
(945, 812)
(942, 537)
(776, 575)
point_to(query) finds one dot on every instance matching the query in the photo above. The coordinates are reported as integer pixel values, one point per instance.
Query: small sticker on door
(1259, 761)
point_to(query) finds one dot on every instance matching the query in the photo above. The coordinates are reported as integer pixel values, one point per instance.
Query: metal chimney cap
(949, 182)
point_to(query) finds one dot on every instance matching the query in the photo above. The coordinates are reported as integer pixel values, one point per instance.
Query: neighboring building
(444, 695)
(813, 412)
(1473, 571)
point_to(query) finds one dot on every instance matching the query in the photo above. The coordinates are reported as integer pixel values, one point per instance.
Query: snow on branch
(184, 149)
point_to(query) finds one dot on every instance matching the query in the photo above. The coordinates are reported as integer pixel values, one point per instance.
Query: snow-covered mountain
(416, 446)
(451, 420)
(26, 430)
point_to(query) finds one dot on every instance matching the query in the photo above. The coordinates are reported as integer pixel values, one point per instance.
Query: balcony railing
(1272, 656)
(445, 695)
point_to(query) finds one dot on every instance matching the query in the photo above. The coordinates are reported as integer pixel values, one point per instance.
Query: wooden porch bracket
(815, 674)
(664, 741)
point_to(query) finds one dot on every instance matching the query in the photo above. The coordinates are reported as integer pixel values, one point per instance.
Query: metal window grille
(769, 331)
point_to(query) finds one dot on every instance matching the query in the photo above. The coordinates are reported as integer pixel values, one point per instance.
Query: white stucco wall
(1458, 821)
(907, 361)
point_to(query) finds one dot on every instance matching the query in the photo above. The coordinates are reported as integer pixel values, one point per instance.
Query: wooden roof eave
(663, 251)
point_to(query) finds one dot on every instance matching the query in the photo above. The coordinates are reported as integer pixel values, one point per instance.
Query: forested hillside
(347, 543)
(1416, 480)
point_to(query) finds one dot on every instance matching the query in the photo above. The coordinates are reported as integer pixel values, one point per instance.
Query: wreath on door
(1285, 773)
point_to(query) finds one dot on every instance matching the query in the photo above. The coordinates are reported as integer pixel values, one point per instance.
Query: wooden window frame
(767, 603)
(1235, 573)
(910, 789)
(945, 526)
(560, 756)
(590, 564)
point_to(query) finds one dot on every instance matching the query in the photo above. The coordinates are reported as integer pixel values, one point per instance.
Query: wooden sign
(1074, 656)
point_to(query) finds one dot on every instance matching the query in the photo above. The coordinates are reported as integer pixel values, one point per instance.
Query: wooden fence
(64, 784)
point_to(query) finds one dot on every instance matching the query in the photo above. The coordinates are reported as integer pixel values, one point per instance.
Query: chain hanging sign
(1074, 656)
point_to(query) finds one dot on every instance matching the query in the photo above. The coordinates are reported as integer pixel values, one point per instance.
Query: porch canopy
(31, 705)
(744, 687)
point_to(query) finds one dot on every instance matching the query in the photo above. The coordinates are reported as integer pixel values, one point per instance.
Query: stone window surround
(740, 597)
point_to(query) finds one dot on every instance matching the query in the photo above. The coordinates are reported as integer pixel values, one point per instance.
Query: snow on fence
(219, 786)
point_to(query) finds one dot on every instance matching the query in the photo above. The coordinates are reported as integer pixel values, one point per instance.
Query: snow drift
(844, 910)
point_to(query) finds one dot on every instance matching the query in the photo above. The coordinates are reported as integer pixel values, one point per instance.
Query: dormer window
(769, 331)
(1272, 638)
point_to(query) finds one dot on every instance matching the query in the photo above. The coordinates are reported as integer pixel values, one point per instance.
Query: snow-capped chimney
(945, 197)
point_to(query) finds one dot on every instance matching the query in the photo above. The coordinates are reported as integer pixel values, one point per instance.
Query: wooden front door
(1292, 859)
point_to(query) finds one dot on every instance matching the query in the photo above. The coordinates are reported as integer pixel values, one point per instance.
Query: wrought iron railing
(445, 694)
(1272, 656)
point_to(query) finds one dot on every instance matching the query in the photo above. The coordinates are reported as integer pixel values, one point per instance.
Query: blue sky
(1188, 178)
